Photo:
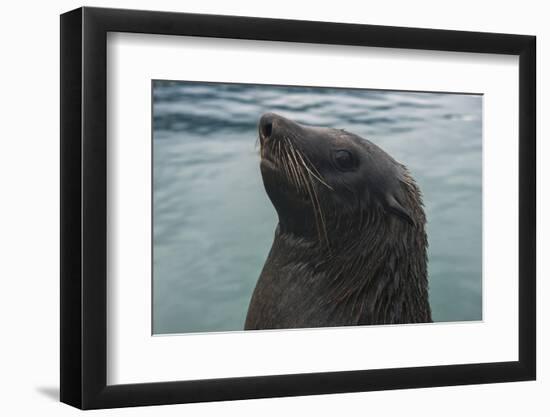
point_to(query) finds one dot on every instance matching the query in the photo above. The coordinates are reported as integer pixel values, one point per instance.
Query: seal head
(350, 245)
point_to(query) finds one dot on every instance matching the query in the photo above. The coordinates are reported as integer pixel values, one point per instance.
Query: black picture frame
(84, 207)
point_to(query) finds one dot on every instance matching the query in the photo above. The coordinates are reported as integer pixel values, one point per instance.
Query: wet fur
(343, 254)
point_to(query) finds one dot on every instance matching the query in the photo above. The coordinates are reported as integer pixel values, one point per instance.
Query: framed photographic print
(255, 207)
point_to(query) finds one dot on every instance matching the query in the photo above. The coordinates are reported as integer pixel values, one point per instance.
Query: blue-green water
(213, 223)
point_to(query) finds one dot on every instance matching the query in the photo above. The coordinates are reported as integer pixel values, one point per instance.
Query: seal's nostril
(267, 128)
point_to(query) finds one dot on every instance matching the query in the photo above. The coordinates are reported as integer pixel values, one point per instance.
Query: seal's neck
(373, 274)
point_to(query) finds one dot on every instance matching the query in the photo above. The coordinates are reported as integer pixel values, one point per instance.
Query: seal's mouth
(267, 155)
(276, 157)
(283, 158)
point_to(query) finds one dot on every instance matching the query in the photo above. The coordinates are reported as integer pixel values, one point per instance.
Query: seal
(350, 244)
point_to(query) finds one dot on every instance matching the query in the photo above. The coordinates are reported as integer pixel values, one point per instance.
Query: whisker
(313, 174)
(293, 163)
(284, 162)
(313, 167)
(298, 166)
(322, 217)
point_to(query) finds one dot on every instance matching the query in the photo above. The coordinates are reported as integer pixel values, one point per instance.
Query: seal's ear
(396, 208)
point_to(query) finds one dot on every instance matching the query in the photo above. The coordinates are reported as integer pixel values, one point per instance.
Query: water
(213, 223)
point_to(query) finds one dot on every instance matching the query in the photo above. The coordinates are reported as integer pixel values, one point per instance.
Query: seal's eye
(344, 160)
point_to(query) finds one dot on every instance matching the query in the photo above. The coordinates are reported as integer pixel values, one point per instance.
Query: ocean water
(213, 224)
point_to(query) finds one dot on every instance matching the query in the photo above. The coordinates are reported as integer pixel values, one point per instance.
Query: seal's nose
(269, 123)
